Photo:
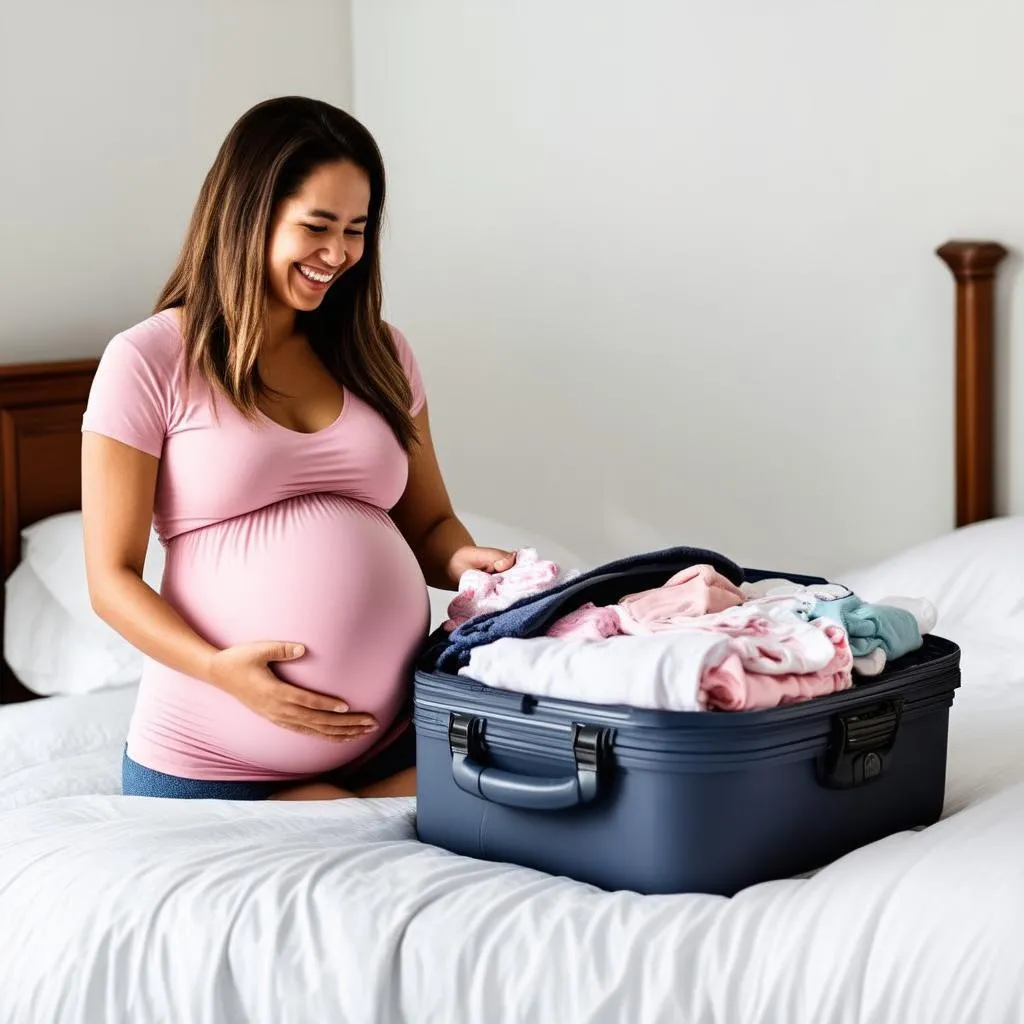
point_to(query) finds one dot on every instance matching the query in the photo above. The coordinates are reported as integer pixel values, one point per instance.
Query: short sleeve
(128, 400)
(412, 371)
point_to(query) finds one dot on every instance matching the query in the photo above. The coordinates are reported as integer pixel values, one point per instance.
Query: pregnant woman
(274, 429)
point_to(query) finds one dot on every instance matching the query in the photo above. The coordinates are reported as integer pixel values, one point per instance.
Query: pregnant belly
(322, 570)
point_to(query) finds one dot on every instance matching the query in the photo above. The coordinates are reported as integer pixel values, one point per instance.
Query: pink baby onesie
(697, 590)
(482, 592)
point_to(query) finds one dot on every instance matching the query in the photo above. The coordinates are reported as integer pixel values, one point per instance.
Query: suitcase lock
(861, 745)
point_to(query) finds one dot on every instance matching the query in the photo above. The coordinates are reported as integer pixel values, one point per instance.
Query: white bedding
(62, 746)
(125, 910)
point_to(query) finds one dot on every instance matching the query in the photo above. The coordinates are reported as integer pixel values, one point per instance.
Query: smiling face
(317, 234)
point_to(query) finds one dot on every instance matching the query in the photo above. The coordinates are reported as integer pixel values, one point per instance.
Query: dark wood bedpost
(974, 266)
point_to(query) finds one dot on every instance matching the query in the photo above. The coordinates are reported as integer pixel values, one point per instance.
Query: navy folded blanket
(531, 616)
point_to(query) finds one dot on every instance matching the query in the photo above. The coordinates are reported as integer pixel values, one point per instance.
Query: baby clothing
(878, 632)
(772, 635)
(696, 590)
(588, 622)
(667, 671)
(872, 627)
(481, 592)
(531, 616)
(926, 614)
(872, 664)
(777, 587)
(900, 636)
(698, 638)
(657, 671)
(730, 687)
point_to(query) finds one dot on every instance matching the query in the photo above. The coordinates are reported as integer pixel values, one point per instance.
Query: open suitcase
(666, 801)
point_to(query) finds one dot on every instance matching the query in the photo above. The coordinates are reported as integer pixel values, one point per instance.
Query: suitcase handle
(528, 792)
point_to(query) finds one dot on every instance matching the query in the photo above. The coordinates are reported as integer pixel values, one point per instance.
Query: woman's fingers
(327, 719)
(308, 698)
(338, 736)
(317, 714)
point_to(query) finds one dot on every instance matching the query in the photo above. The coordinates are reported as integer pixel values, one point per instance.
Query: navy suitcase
(664, 802)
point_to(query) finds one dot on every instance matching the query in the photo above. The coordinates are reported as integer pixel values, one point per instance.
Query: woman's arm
(443, 546)
(118, 488)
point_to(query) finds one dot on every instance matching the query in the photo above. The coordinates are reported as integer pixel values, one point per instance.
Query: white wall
(111, 112)
(669, 266)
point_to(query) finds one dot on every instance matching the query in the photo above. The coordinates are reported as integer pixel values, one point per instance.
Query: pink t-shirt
(271, 534)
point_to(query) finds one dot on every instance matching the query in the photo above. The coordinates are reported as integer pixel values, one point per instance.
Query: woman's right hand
(244, 672)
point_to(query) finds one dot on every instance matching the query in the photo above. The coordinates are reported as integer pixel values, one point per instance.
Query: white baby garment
(661, 671)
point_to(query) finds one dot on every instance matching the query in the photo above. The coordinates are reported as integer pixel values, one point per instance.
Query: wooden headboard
(41, 408)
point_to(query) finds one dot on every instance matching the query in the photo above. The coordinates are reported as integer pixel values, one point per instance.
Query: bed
(120, 909)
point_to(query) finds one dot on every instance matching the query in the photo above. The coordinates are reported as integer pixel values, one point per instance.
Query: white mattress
(123, 910)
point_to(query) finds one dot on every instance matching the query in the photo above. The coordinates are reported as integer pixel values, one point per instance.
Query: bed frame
(41, 407)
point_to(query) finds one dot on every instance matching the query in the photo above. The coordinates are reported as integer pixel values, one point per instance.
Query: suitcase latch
(588, 746)
(465, 735)
(861, 745)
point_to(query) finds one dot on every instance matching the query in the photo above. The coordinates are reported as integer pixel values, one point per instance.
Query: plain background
(668, 267)
(111, 112)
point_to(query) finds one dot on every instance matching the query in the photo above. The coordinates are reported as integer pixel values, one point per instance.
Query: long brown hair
(220, 280)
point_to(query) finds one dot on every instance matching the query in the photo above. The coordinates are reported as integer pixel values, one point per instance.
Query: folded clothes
(924, 612)
(778, 587)
(878, 632)
(872, 664)
(881, 631)
(730, 687)
(872, 627)
(588, 622)
(481, 592)
(696, 590)
(668, 671)
(531, 616)
(772, 635)
(692, 635)
(655, 671)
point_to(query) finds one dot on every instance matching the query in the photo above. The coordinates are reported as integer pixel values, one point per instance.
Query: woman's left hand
(485, 559)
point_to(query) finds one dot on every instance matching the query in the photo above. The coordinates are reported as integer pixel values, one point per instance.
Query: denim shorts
(138, 780)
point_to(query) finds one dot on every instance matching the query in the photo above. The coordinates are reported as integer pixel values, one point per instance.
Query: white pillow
(55, 550)
(53, 641)
(974, 576)
(51, 652)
